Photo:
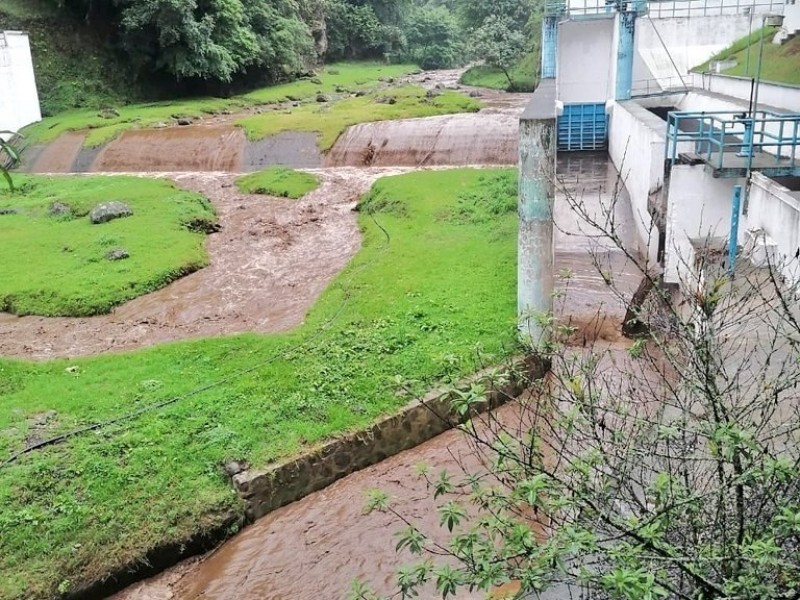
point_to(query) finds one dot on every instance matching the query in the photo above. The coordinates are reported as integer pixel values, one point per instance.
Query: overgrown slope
(780, 64)
(74, 69)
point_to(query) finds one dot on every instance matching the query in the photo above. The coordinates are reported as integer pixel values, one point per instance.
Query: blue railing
(720, 134)
(662, 9)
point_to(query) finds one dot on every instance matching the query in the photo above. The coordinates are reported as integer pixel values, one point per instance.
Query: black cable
(204, 388)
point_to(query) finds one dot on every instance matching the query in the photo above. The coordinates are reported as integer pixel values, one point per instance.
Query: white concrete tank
(19, 100)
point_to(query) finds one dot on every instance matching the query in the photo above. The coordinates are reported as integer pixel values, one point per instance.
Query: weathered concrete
(419, 421)
(537, 154)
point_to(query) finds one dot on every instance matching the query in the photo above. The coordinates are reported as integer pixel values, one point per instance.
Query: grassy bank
(524, 76)
(278, 181)
(434, 281)
(330, 120)
(65, 270)
(780, 63)
(105, 126)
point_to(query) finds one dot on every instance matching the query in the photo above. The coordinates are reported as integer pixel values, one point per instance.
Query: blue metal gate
(583, 127)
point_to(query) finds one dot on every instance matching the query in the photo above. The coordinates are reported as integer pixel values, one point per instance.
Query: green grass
(103, 129)
(64, 270)
(331, 119)
(781, 64)
(278, 181)
(412, 306)
(524, 75)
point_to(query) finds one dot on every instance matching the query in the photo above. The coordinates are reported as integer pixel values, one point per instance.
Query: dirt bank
(269, 264)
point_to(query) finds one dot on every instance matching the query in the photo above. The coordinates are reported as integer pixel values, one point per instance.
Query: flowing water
(314, 548)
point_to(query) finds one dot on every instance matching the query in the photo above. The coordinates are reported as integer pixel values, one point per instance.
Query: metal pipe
(733, 240)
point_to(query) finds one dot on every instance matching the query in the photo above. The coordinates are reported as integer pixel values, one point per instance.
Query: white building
(19, 100)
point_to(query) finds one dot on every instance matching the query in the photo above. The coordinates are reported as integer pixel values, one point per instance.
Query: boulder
(316, 81)
(108, 211)
(323, 98)
(474, 94)
(386, 100)
(59, 209)
(432, 93)
(117, 254)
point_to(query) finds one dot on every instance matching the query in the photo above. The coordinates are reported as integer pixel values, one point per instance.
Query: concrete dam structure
(709, 161)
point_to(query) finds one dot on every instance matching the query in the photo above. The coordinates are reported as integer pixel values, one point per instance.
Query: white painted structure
(781, 96)
(19, 100)
(586, 60)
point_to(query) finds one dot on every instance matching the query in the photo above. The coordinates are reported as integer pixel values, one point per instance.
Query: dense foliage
(222, 41)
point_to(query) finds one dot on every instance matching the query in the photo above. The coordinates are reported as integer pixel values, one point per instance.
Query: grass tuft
(413, 308)
(278, 181)
(65, 271)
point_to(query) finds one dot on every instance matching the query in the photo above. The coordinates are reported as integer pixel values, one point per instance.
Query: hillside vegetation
(109, 53)
(75, 68)
(780, 64)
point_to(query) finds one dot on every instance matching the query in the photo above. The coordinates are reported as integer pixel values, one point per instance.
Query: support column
(535, 261)
(625, 49)
(549, 47)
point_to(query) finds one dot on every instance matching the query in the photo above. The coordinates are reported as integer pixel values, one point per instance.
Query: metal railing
(655, 86)
(720, 134)
(662, 9)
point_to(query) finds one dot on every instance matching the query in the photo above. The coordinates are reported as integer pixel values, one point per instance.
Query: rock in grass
(323, 98)
(316, 81)
(117, 254)
(108, 211)
(386, 100)
(8, 210)
(59, 209)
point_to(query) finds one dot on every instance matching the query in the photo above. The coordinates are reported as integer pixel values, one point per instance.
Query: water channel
(314, 548)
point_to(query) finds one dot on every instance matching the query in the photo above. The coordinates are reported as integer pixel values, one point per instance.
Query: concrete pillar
(549, 47)
(625, 50)
(537, 154)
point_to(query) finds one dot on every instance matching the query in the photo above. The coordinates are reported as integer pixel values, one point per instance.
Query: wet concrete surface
(268, 265)
(190, 148)
(59, 156)
(296, 149)
(314, 548)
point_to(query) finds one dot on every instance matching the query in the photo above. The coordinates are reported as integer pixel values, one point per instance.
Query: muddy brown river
(314, 548)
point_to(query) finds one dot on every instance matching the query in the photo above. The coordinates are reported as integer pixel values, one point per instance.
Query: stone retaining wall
(419, 421)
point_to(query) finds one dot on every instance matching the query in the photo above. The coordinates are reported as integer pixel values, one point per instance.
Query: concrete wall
(265, 491)
(636, 147)
(689, 42)
(698, 207)
(776, 210)
(791, 13)
(585, 53)
(19, 100)
(786, 97)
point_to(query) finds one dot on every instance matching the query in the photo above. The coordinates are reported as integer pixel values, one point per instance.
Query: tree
(500, 44)
(433, 38)
(665, 468)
